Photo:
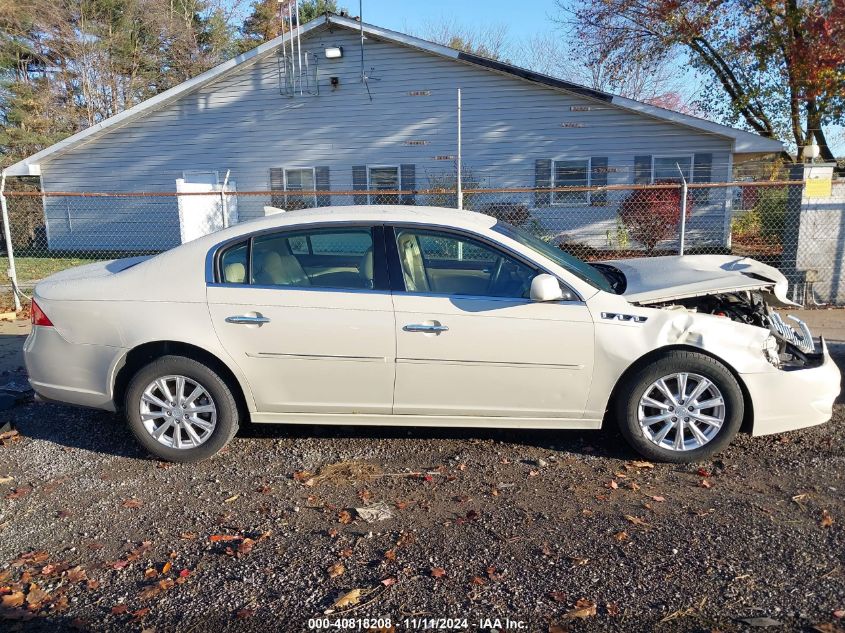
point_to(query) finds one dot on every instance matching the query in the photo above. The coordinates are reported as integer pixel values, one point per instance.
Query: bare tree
(490, 40)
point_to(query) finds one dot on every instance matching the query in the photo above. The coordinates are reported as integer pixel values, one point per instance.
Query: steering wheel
(497, 273)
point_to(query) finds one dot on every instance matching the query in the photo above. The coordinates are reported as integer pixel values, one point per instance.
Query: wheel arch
(143, 354)
(645, 359)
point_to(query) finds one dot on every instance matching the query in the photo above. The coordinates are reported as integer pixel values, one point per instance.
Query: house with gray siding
(372, 109)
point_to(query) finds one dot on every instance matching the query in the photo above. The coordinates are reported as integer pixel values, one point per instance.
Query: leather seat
(413, 269)
(278, 267)
(234, 273)
(365, 268)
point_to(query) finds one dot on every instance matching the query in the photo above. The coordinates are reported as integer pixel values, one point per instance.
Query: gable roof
(742, 142)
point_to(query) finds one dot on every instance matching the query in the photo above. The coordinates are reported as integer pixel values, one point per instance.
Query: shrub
(652, 215)
(771, 210)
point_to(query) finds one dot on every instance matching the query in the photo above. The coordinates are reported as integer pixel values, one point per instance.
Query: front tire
(180, 410)
(682, 407)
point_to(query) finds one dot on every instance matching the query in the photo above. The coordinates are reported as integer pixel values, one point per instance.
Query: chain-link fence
(772, 221)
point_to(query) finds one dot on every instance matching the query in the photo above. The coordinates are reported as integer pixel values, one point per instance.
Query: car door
(307, 315)
(469, 340)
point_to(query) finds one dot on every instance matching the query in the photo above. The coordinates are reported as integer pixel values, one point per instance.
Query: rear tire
(659, 412)
(180, 410)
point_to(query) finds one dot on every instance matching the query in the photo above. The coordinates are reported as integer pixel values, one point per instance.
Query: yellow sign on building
(818, 188)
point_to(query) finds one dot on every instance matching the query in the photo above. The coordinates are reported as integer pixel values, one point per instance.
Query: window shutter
(408, 182)
(277, 183)
(542, 180)
(702, 172)
(598, 178)
(321, 183)
(359, 183)
(642, 170)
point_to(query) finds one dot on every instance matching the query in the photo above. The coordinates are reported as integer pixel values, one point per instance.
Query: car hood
(660, 279)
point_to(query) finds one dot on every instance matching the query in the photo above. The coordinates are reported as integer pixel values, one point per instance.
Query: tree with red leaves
(652, 215)
(780, 63)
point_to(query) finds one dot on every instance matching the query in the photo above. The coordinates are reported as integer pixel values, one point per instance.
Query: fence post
(10, 251)
(459, 180)
(683, 232)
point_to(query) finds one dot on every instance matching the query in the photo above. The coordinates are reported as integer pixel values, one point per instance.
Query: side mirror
(545, 287)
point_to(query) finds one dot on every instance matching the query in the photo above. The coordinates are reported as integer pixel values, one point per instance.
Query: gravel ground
(555, 531)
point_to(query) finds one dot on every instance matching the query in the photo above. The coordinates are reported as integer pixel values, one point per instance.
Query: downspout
(12, 273)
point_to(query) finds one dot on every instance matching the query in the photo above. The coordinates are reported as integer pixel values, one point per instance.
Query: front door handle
(247, 320)
(429, 329)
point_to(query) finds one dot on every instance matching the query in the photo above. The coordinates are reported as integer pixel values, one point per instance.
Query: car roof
(372, 213)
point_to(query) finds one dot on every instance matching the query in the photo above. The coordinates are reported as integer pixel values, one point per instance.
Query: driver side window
(448, 264)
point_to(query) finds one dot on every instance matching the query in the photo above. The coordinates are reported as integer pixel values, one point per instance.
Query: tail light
(38, 316)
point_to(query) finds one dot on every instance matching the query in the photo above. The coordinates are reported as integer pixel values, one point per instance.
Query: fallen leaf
(346, 552)
(336, 570)
(612, 484)
(167, 567)
(390, 554)
(376, 512)
(558, 596)
(583, 609)
(636, 520)
(217, 538)
(188, 536)
(119, 609)
(621, 536)
(35, 595)
(345, 517)
(232, 498)
(245, 546)
(150, 573)
(400, 505)
(839, 613)
(641, 464)
(760, 621)
(387, 582)
(826, 520)
(613, 609)
(76, 574)
(141, 613)
(301, 475)
(119, 564)
(533, 473)
(350, 598)
(703, 472)
(477, 580)
(12, 600)
(578, 562)
(243, 614)
(264, 490)
(19, 492)
(132, 503)
(438, 572)
(184, 573)
(704, 483)
(6, 480)
(658, 498)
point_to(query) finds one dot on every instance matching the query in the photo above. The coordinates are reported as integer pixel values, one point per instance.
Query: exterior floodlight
(812, 151)
(334, 52)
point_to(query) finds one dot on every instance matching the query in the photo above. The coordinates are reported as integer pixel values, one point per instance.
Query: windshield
(580, 269)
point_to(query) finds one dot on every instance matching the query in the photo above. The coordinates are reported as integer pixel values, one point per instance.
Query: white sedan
(421, 316)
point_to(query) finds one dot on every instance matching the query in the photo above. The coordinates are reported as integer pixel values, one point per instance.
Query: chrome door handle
(247, 320)
(419, 327)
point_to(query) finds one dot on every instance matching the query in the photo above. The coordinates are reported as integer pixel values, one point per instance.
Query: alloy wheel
(681, 411)
(178, 412)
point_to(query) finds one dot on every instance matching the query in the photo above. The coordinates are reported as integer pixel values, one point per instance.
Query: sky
(523, 20)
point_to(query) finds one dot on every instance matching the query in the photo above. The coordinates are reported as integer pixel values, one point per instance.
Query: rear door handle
(421, 327)
(247, 320)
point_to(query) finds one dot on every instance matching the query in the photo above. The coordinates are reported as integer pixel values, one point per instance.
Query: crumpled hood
(659, 279)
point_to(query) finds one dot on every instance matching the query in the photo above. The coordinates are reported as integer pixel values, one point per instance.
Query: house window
(571, 173)
(300, 180)
(383, 178)
(665, 168)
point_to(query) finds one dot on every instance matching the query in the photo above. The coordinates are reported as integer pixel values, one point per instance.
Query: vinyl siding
(243, 124)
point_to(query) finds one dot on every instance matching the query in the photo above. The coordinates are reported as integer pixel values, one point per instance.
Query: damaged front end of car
(788, 346)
